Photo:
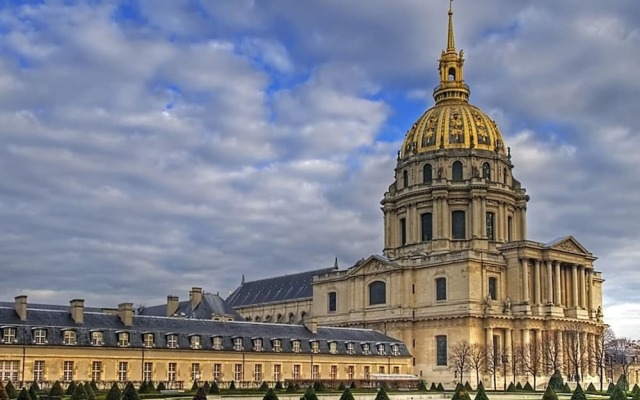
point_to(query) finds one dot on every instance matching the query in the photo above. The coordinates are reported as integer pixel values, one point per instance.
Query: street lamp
(505, 360)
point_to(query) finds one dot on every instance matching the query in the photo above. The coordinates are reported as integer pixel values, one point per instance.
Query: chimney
(125, 311)
(21, 307)
(172, 305)
(195, 295)
(311, 324)
(76, 307)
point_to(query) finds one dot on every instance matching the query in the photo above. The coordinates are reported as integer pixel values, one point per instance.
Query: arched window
(427, 174)
(292, 318)
(458, 230)
(303, 315)
(405, 178)
(452, 74)
(279, 318)
(456, 170)
(377, 293)
(486, 171)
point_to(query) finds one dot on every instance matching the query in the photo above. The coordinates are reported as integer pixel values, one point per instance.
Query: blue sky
(150, 146)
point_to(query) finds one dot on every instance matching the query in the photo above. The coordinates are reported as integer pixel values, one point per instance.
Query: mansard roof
(210, 305)
(277, 289)
(55, 321)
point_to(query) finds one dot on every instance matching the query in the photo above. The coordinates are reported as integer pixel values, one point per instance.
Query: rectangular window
(237, 372)
(396, 370)
(493, 288)
(426, 222)
(381, 349)
(38, 371)
(67, 371)
(332, 302)
(147, 371)
(96, 371)
(403, 231)
(195, 342)
(69, 337)
(441, 289)
(458, 225)
(490, 224)
(172, 341)
(441, 350)
(195, 372)
(237, 344)
(315, 347)
(509, 228)
(257, 373)
(217, 343)
(8, 335)
(217, 372)
(350, 348)
(123, 339)
(333, 347)
(257, 344)
(296, 371)
(123, 371)
(366, 348)
(351, 372)
(172, 371)
(334, 372)
(277, 345)
(367, 372)
(97, 338)
(395, 350)
(296, 346)
(40, 336)
(277, 372)
(9, 371)
(315, 371)
(381, 369)
(148, 340)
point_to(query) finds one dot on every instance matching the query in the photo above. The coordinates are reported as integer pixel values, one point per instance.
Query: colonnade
(562, 348)
(551, 282)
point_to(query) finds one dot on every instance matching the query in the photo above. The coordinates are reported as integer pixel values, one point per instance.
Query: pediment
(568, 244)
(373, 265)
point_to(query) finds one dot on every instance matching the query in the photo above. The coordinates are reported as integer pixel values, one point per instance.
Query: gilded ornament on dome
(481, 128)
(429, 135)
(456, 127)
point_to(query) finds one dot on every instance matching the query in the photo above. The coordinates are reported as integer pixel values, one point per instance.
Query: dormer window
(366, 348)
(237, 344)
(9, 335)
(148, 340)
(69, 337)
(333, 347)
(172, 341)
(217, 343)
(315, 346)
(123, 339)
(97, 338)
(350, 348)
(381, 349)
(277, 345)
(395, 349)
(195, 341)
(257, 344)
(295, 346)
(40, 336)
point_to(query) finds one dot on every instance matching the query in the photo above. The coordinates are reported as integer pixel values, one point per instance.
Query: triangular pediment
(372, 265)
(569, 244)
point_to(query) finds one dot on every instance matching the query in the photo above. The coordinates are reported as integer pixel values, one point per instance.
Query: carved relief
(481, 128)
(456, 126)
(568, 246)
(429, 135)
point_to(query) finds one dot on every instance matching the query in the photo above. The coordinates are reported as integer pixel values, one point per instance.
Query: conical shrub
(382, 394)
(347, 395)
(79, 393)
(578, 394)
(270, 395)
(618, 394)
(481, 394)
(114, 393)
(11, 390)
(200, 394)
(549, 394)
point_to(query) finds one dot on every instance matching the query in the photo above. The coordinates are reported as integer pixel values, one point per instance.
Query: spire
(242, 281)
(335, 264)
(451, 44)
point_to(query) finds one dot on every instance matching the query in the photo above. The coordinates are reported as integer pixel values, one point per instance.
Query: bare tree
(477, 359)
(622, 350)
(576, 350)
(551, 353)
(492, 362)
(459, 358)
(531, 359)
(602, 347)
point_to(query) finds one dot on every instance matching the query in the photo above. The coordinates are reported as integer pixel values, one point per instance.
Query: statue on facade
(506, 307)
(599, 314)
(487, 303)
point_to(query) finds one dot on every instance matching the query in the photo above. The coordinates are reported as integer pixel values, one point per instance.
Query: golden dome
(458, 125)
(452, 123)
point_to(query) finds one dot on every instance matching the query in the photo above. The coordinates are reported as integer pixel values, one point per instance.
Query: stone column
(549, 283)
(558, 280)
(590, 290)
(537, 283)
(560, 349)
(489, 339)
(583, 287)
(526, 342)
(574, 285)
(525, 280)
(507, 342)
(446, 217)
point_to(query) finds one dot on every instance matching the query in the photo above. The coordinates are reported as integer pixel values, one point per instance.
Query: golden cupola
(452, 123)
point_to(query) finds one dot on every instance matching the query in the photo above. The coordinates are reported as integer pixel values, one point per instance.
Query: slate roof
(56, 321)
(211, 304)
(273, 290)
